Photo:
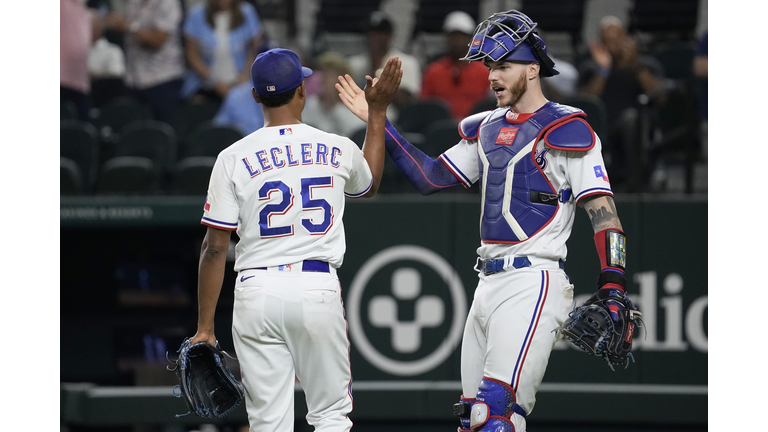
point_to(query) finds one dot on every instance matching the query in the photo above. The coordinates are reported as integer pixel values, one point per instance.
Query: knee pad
(494, 407)
(462, 409)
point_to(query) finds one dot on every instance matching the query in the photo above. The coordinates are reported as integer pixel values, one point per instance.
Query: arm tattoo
(602, 218)
(602, 213)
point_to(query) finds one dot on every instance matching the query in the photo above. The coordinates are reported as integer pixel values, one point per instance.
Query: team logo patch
(270, 88)
(541, 160)
(506, 136)
(286, 131)
(207, 206)
(600, 173)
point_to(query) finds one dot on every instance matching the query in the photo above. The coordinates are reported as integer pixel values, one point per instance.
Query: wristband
(612, 251)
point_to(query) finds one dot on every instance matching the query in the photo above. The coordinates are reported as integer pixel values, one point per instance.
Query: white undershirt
(223, 67)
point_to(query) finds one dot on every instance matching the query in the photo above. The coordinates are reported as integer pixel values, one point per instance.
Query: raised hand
(353, 97)
(601, 55)
(379, 93)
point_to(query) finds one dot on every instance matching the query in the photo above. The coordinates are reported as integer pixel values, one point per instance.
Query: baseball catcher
(604, 325)
(206, 384)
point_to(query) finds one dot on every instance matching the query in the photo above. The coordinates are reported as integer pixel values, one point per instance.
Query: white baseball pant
(290, 323)
(509, 333)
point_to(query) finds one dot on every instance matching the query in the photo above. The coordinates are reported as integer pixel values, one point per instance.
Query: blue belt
(307, 266)
(491, 266)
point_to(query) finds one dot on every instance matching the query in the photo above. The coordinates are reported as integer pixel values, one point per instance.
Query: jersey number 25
(307, 204)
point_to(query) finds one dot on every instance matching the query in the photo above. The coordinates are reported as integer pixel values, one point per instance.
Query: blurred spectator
(379, 37)
(324, 110)
(459, 83)
(701, 72)
(79, 29)
(624, 79)
(240, 110)
(559, 87)
(153, 54)
(106, 68)
(222, 40)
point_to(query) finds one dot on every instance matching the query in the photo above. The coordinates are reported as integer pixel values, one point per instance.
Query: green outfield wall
(128, 275)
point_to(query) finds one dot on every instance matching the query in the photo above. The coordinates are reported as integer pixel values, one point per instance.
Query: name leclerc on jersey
(282, 157)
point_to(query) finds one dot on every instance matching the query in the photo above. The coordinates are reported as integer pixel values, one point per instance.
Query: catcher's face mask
(510, 36)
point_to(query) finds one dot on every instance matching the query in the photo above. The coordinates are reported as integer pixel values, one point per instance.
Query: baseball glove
(205, 382)
(604, 326)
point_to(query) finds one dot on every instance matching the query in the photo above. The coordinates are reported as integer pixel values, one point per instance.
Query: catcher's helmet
(510, 35)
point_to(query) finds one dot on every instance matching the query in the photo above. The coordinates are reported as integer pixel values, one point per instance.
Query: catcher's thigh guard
(495, 408)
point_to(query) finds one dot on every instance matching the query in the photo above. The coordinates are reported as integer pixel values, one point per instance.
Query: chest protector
(518, 198)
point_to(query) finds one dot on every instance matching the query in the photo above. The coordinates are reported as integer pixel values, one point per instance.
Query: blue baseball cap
(277, 71)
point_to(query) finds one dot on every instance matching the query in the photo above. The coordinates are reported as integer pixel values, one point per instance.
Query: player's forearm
(213, 259)
(373, 148)
(602, 213)
(610, 241)
(427, 175)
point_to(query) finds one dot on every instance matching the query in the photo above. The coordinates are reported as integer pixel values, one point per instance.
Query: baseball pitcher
(282, 189)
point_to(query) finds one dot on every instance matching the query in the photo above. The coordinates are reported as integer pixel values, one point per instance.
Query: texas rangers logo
(506, 136)
(541, 160)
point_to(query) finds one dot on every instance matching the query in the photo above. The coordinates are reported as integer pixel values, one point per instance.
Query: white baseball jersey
(283, 189)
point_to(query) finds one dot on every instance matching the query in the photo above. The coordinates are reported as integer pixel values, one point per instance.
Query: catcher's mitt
(604, 326)
(205, 382)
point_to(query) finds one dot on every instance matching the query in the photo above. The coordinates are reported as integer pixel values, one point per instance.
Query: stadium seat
(344, 16)
(557, 16)
(189, 115)
(114, 116)
(68, 110)
(191, 175)
(151, 139)
(208, 139)
(430, 14)
(71, 181)
(487, 104)
(677, 59)
(665, 19)
(128, 175)
(418, 115)
(440, 136)
(79, 142)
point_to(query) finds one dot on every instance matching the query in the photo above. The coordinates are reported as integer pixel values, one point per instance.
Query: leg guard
(462, 409)
(494, 407)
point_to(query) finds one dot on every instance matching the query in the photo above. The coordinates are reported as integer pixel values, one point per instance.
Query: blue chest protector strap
(427, 175)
